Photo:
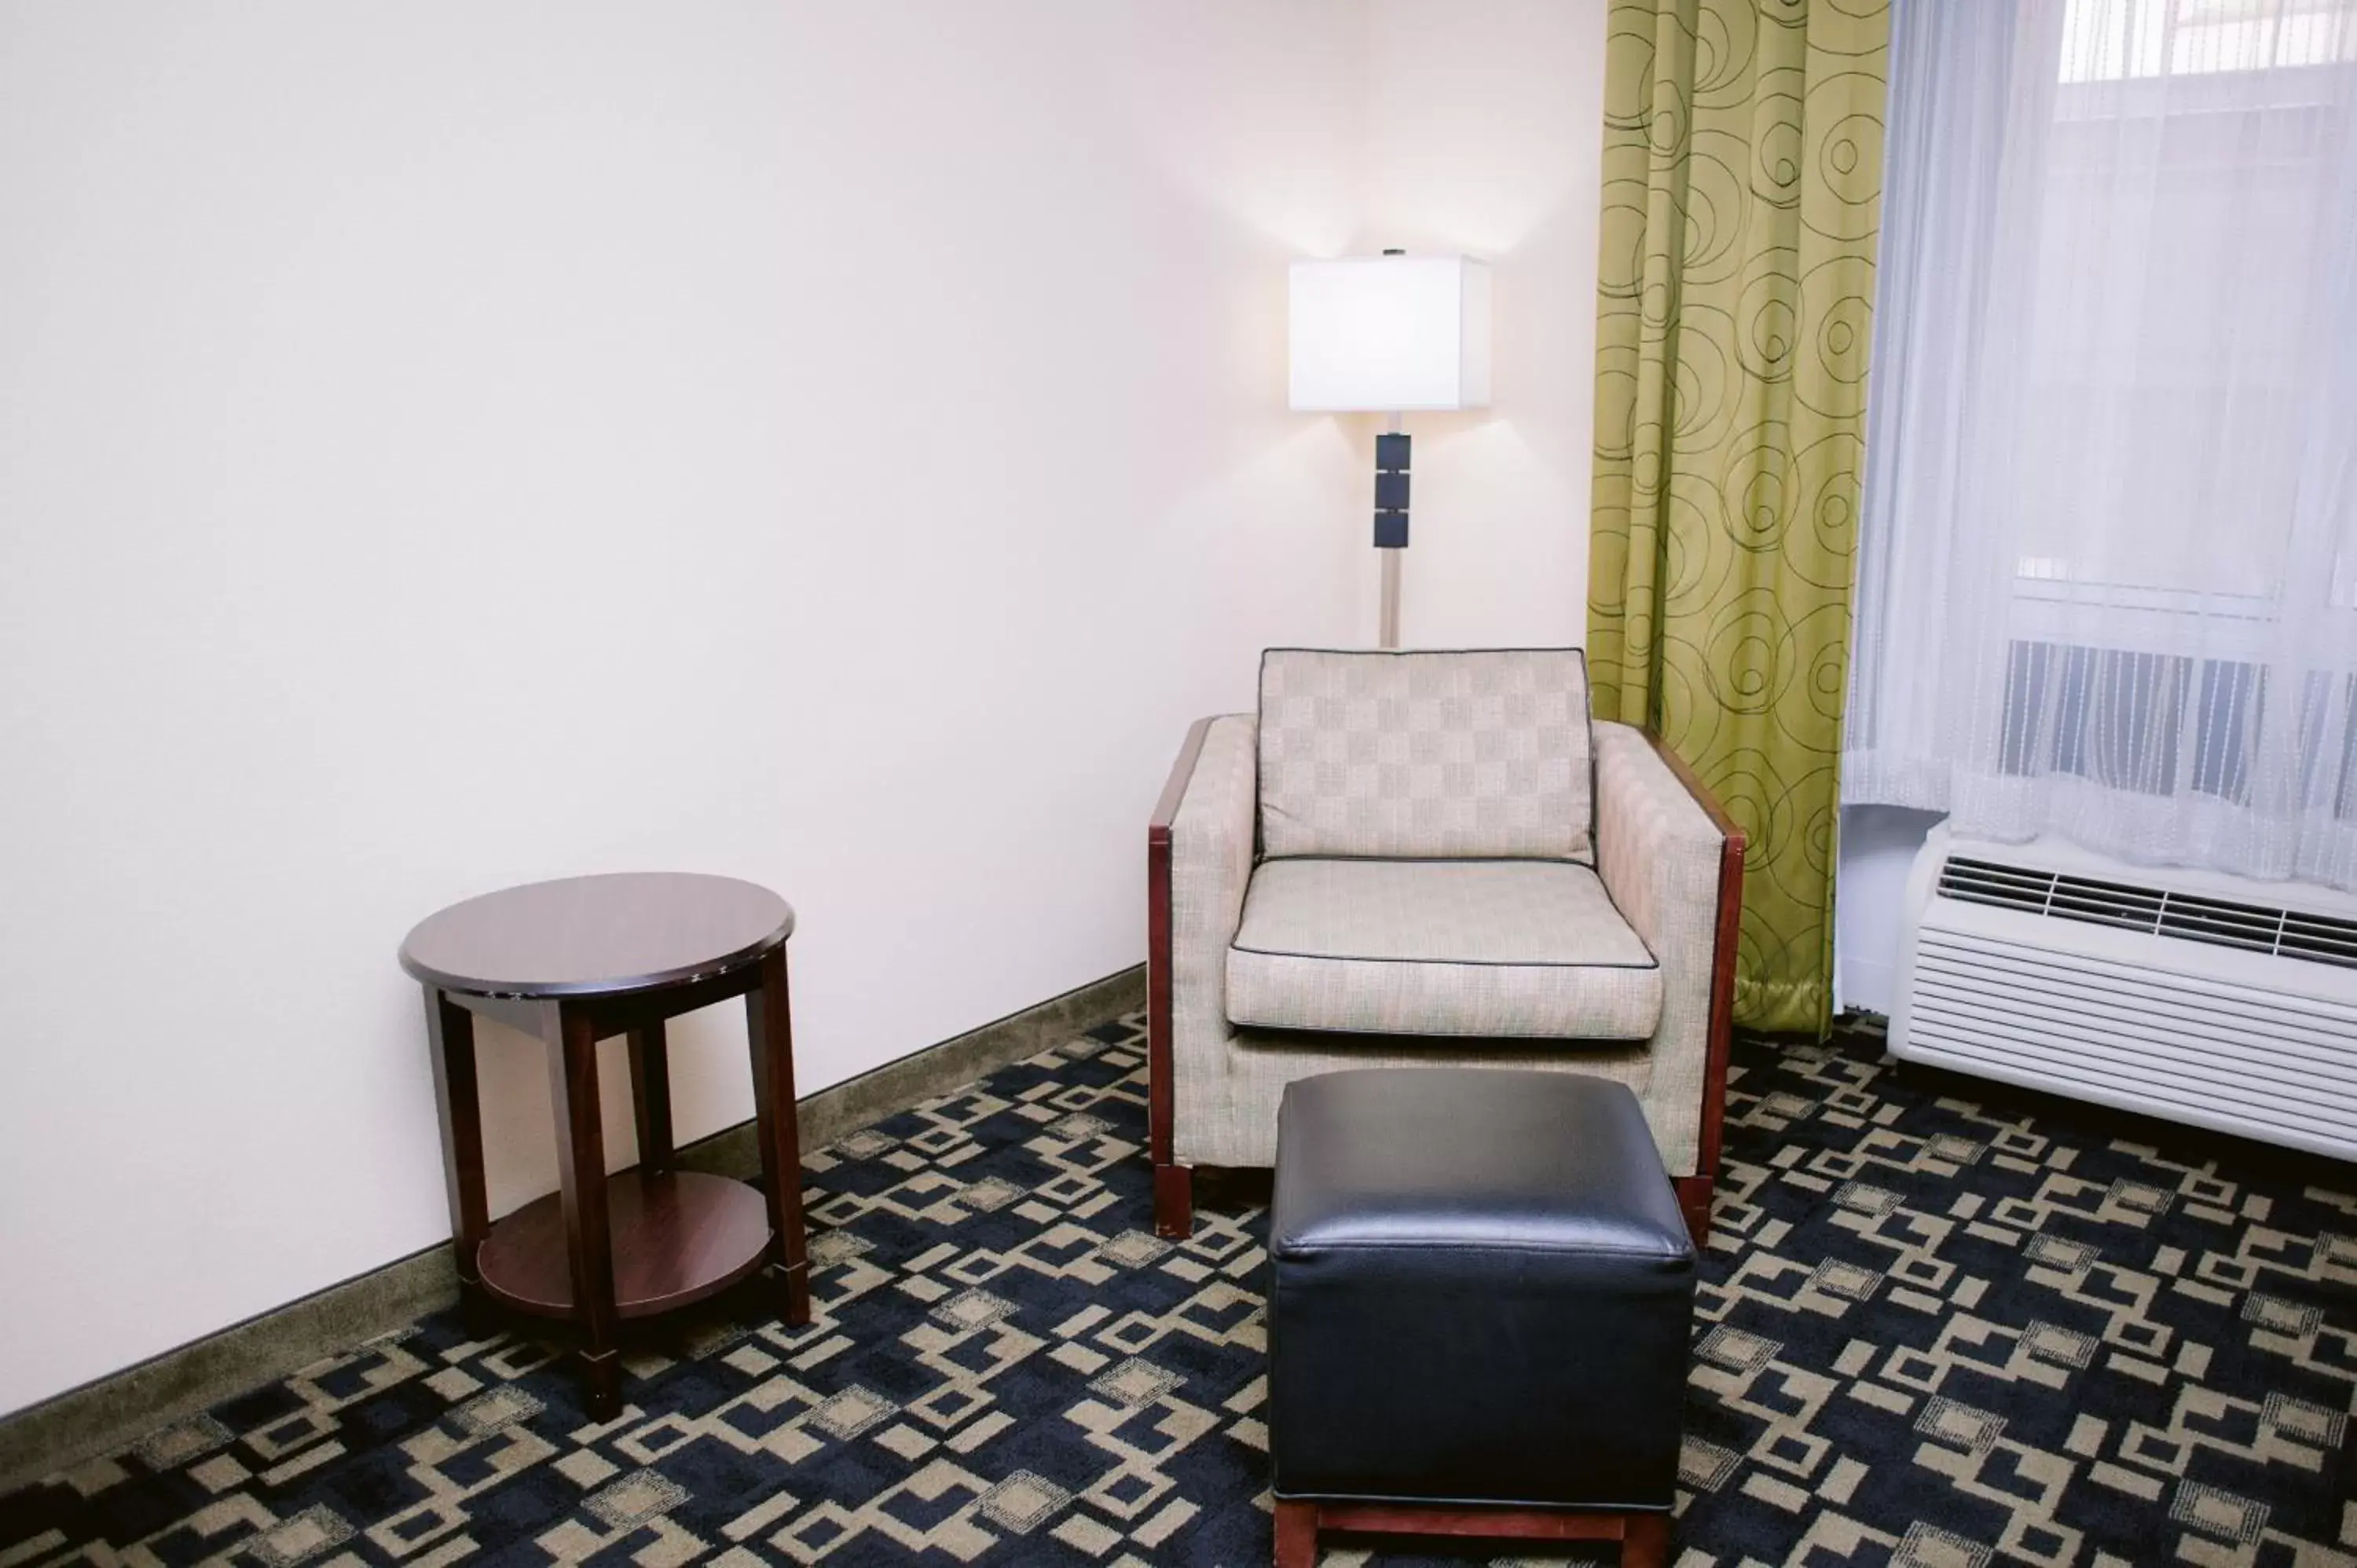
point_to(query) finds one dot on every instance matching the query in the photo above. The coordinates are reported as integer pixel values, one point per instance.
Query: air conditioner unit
(2201, 997)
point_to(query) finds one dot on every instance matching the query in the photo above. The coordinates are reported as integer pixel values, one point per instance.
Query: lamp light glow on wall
(1391, 334)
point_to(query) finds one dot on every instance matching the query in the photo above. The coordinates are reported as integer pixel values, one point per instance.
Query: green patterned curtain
(1742, 183)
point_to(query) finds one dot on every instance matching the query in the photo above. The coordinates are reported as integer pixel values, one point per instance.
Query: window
(2107, 582)
(2119, 40)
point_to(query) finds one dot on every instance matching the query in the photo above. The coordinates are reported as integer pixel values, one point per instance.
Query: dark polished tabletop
(594, 936)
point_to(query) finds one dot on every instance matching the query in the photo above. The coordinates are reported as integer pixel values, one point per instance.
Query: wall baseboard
(108, 1412)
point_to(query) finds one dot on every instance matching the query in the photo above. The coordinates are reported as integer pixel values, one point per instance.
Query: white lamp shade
(1389, 334)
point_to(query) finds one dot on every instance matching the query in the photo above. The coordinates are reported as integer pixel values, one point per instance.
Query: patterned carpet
(1935, 1334)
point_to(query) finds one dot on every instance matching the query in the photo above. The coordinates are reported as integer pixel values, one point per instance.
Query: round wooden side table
(574, 961)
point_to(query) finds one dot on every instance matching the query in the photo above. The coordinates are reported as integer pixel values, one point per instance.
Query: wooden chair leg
(1297, 1534)
(1645, 1542)
(1174, 1202)
(1694, 1202)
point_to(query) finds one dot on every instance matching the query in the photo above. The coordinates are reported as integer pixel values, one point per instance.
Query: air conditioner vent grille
(2256, 927)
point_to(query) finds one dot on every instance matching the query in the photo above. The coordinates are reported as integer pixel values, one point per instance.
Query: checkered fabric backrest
(1482, 753)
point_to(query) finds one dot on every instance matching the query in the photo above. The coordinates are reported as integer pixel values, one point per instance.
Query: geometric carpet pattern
(1932, 1332)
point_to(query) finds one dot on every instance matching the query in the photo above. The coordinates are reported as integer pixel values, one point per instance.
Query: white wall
(1485, 134)
(450, 444)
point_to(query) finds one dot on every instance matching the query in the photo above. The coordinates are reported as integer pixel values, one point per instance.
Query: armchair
(1432, 859)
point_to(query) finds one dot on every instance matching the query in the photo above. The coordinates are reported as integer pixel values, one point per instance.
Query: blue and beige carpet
(1935, 1333)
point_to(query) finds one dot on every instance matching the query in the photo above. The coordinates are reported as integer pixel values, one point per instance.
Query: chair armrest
(1672, 859)
(1198, 859)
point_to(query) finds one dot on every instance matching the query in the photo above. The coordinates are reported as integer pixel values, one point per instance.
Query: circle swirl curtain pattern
(1742, 196)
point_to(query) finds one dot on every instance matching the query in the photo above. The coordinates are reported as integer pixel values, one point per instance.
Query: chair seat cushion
(1485, 947)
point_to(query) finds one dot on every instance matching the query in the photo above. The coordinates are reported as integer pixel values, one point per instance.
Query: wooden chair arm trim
(1702, 792)
(1182, 772)
(1161, 1111)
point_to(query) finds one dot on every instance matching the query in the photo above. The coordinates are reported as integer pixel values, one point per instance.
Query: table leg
(771, 1036)
(458, 1098)
(572, 1044)
(651, 1096)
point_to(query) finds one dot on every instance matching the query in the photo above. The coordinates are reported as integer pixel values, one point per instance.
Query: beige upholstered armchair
(1432, 859)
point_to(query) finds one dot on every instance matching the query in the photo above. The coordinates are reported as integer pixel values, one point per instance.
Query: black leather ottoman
(1479, 1314)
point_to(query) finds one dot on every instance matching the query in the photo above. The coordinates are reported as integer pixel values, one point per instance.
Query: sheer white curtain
(2107, 566)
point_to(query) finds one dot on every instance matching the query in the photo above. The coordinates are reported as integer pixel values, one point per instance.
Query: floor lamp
(1393, 334)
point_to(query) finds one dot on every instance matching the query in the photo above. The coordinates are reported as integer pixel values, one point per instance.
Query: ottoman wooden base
(1644, 1538)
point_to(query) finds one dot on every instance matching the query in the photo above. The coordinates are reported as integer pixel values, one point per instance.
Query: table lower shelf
(678, 1238)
